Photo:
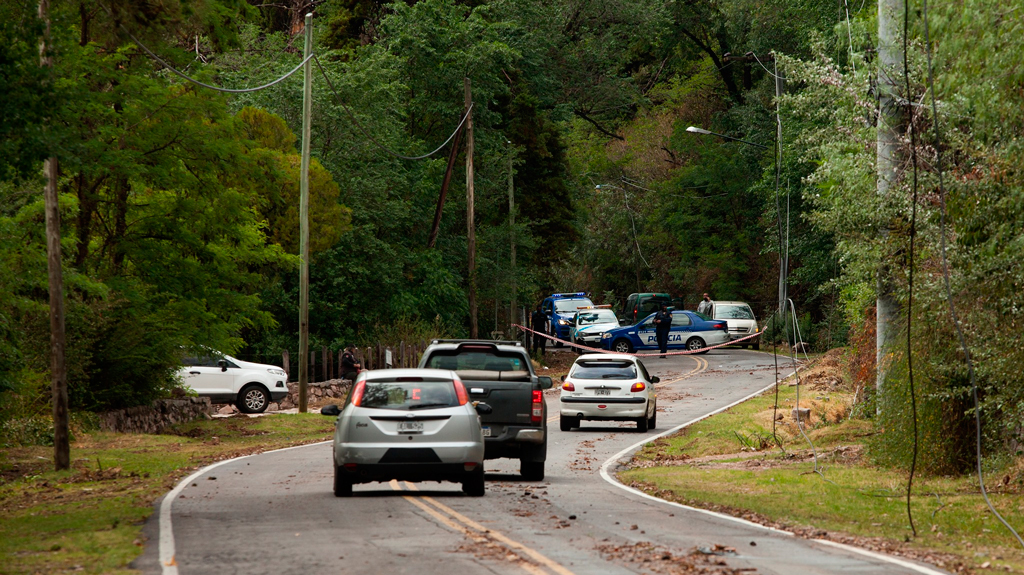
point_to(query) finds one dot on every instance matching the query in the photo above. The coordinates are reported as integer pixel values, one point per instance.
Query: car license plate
(410, 427)
(487, 431)
(602, 392)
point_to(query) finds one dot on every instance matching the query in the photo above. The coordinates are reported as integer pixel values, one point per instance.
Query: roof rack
(490, 341)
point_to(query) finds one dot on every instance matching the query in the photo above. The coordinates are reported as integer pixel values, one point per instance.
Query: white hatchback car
(409, 425)
(608, 387)
(224, 379)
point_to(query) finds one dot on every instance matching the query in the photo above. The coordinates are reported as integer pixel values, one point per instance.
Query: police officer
(704, 306)
(662, 323)
(539, 324)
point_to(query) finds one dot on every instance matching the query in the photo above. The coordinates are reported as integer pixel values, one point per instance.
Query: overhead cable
(945, 274)
(197, 82)
(384, 148)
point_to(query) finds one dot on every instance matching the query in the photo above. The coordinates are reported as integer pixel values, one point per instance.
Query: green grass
(850, 495)
(91, 516)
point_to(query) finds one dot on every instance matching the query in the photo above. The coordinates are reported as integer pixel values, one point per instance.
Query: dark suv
(639, 305)
(500, 374)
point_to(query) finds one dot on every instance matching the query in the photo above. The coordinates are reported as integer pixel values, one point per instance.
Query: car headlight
(606, 336)
(277, 372)
(563, 322)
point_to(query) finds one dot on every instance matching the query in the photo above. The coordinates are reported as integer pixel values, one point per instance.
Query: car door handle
(193, 373)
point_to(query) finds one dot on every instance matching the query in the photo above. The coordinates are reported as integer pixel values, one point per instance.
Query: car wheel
(473, 484)
(641, 424)
(756, 345)
(253, 399)
(342, 486)
(695, 344)
(622, 346)
(652, 423)
(531, 470)
(567, 423)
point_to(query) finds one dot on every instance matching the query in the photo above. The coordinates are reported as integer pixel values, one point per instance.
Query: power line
(352, 117)
(945, 275)
(197, 82)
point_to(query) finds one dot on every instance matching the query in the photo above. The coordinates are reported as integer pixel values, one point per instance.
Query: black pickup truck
(500, 374)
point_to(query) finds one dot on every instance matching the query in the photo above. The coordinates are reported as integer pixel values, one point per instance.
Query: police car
(690, 330)
(591, 323)
(560, 309)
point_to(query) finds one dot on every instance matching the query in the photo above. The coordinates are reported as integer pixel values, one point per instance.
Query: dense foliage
(179, 203)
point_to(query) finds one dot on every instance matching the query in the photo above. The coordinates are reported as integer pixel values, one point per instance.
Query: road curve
(275, 513)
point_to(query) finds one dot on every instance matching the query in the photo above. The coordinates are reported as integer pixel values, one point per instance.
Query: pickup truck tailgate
(509, 396)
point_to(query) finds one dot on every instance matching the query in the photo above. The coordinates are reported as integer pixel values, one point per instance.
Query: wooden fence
(325, 364)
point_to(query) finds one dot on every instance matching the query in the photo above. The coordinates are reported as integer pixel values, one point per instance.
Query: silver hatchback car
(410, 425)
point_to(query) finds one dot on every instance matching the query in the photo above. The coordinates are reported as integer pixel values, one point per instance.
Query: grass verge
(732, 463)
(89, 519)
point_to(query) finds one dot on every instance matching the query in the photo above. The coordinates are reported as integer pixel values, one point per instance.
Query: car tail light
(460, 391)
(357, 393)
(720, 326)
(350, 466)
(638, 386)
(568, 386)
(537, 410)
(469, 465)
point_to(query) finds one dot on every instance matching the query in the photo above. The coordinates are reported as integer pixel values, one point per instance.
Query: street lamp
(696, 130)
(783, 255)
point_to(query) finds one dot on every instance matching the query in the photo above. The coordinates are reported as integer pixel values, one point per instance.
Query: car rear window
(409, 394)
(604, 370)
(733, 312)
(476, 360)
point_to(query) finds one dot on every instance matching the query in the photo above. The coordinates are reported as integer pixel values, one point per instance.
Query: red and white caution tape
(600, 350)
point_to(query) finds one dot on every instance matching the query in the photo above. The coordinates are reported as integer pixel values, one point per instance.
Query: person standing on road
(663, 323)
(539, 324)
(704, 306)
(349, 366)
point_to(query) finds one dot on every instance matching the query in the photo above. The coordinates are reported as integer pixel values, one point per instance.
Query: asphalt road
(275, 513)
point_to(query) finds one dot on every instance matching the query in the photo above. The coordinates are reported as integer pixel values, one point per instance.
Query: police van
(560, 309)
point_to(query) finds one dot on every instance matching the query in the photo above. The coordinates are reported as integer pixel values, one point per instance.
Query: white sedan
(608, 387)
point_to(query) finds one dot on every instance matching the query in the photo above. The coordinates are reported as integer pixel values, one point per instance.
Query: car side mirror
(544, 381)
(655, 379)
(483, 408)
(223, 363)
(563, 378)
(332, 410)
(624, 322)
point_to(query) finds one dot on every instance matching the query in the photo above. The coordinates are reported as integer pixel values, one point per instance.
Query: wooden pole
(512, 241)
(444, 189)
(58, 366)
(470, 225)
(307, 112)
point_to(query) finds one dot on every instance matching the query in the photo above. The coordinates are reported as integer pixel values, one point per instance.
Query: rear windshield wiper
(425, 405)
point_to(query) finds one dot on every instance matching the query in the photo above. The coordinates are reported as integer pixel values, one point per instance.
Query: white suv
(224, 379)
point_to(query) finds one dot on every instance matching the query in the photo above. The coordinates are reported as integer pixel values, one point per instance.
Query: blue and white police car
(560, 309)
(690, 330)
(591, 323)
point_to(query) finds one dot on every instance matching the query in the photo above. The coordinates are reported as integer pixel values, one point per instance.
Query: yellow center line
(533, 554)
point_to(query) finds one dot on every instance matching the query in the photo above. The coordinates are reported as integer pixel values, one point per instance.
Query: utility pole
(890, 121)
(307, 112)
(512, 240)
(470, 226)
(58, 367)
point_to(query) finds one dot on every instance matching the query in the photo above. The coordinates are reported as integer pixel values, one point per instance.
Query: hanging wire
(913, 233)
(373, 140)
(184, 76)
(849, 34)
(945, 274)
(770, 73)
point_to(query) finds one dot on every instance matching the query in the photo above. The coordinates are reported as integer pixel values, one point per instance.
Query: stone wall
(330, 391)
(155, 417)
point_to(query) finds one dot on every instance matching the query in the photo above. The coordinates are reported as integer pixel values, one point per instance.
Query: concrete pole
(307, 112)
(470, 217)
(58, 365)
(890, 121)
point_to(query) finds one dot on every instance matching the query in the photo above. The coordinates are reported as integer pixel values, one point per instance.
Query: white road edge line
(168, 563)
(632, 448)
